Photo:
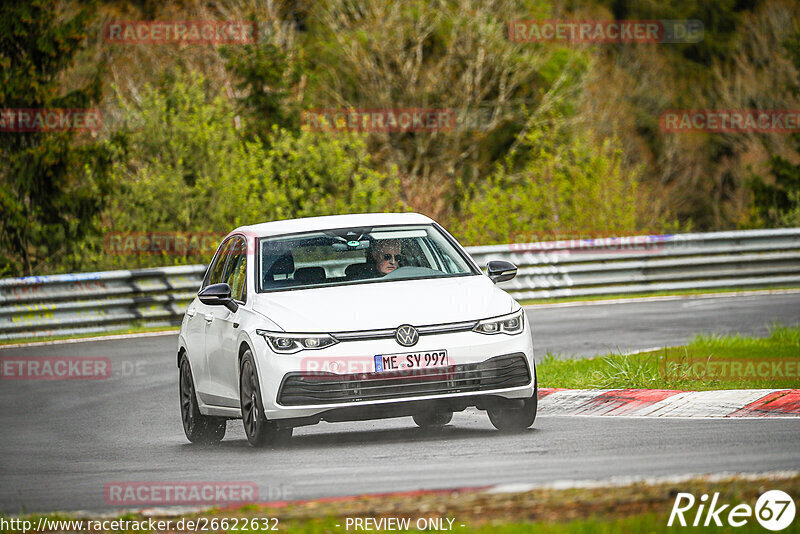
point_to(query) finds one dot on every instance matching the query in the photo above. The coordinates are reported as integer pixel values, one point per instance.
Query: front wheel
(432, 420)
(516, 419)
(259, 431)
(198, 428)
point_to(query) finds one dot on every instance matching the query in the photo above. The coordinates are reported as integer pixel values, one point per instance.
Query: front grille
(300, 389)
(386, 333)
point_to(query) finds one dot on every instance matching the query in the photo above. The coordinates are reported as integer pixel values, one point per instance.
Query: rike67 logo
(774, 510)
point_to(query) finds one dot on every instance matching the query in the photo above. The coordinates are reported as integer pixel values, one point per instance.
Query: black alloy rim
(187, 397)
(247, 393)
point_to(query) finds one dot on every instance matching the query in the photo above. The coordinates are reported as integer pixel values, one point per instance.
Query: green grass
(126, 330)
(683, 292)
(683, 367)
(637, 507)
(645, 523)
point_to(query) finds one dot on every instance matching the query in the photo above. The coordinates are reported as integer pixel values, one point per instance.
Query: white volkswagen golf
(346, 318)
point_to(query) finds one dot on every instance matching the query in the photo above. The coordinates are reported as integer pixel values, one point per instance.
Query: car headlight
(508, 324)
(284, 343)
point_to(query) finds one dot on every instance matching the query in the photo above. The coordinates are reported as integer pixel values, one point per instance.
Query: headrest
(283, 264)
(309, 274)
(358, 269)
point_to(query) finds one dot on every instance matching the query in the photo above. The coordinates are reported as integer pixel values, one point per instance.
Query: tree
(52, 184)
(559, 185)
(450, 55)
(183, 166)
(263, 77)
(778, 203)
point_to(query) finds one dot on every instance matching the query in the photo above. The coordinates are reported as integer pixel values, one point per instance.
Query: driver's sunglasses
(397, 257)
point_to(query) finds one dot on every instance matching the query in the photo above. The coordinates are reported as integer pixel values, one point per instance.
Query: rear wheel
(198, 428)
(432, 419)
(260, 432)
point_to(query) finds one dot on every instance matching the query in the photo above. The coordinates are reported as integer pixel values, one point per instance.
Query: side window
(449, 266)
(218, 267)
(429, 257)
(236, 270)
(432, 254)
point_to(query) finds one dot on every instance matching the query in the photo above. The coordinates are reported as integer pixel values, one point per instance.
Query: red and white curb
(670, 403)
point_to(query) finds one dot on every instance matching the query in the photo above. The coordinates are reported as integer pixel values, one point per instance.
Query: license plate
(409, 361)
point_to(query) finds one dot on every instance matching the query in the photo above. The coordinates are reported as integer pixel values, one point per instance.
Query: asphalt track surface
(63, 441)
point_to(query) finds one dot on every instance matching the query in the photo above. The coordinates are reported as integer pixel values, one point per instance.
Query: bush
(558, 183)
(182, 165)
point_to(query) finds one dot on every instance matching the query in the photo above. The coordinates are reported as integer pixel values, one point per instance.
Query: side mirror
(218, 295)
(501, 270)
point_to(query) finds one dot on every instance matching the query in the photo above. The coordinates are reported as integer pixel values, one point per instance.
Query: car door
(222, 331)
(199, 316)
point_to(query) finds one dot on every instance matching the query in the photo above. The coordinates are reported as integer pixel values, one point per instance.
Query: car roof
(329, 222)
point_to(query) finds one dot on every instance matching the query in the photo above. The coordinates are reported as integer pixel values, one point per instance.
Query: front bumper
(339, 383)
(500, 372)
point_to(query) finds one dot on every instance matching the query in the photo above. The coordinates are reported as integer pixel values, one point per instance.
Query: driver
(386, 256)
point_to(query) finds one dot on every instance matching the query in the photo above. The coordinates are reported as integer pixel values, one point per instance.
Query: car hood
(371, 306)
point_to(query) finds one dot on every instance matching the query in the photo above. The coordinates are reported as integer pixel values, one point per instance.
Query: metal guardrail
(96, 302)
(68, 304)
(646, 264)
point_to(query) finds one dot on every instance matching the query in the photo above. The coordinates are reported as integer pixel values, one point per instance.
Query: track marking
(630, 480)
(670, 403)
(87, 339)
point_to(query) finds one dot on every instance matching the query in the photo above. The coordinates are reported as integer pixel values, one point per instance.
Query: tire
(198, 428)
(258, 430)
(432, 419)
(516, 419)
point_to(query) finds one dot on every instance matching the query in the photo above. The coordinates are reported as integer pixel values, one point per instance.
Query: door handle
(190, 312)
(209, 317)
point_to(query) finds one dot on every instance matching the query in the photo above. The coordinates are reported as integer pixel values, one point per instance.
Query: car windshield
(358, 255)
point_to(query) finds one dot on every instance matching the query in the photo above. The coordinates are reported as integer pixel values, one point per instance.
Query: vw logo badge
(407, 335)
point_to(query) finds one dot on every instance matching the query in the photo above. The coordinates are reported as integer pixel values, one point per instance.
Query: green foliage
(445, 54)
(559, 183)
(52, 184)
(177, 160)
(206, 153)
(263, 75)
(181, 165)
(321, 174)
(719, 18)
(778, 203)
